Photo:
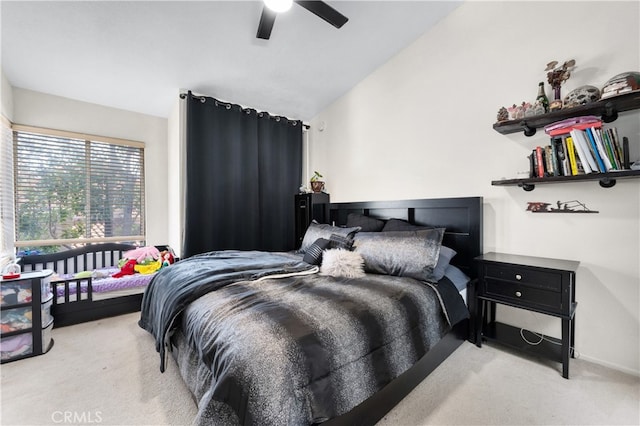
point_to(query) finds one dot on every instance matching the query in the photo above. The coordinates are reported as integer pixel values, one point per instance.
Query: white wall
(54, 112)
(175, 172)
(6, 97)
(421, 126)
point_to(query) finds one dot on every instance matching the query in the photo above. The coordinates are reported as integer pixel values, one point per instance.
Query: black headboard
(462, 218)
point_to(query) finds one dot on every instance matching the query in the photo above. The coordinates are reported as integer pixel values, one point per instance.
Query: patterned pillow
(339, 241)
(366, 223)
(404, 253)
(314, 252)
(320, 230)
(342, 263)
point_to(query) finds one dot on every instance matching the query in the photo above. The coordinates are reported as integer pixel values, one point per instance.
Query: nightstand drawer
(524, 295)
(530, 277)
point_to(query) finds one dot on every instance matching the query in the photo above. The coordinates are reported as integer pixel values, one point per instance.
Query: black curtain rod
(203, 99)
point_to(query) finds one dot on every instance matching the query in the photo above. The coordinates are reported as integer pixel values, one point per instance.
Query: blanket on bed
(174, 287)
(296, 350)
(301, 350)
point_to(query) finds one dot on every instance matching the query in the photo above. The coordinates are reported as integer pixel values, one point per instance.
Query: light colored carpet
(106, 372)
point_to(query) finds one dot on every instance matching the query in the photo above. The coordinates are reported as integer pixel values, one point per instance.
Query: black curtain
(242, 170)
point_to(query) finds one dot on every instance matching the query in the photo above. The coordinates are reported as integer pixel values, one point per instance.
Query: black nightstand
(536, 284)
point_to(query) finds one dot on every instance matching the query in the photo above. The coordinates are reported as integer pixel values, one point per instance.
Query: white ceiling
(137, 55)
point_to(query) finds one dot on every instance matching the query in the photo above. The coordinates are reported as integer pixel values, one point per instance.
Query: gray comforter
(173, 288)
(297, 350)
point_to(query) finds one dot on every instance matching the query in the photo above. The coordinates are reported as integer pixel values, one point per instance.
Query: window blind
(70, 190)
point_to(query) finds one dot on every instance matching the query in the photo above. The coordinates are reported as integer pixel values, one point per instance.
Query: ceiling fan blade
(324, 11)
(265, 26)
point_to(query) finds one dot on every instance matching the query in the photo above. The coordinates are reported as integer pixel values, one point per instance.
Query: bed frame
(73, 309)
(462, 218)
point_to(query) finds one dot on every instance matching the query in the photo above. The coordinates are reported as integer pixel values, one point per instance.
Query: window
(72, 189)
(6, 193)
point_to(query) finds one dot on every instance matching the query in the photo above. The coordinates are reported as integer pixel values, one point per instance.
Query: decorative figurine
(556, 76)
(537, 109)
(503, 114)
(621, 84)
(517, 111)
(562, 207)
(581, 96)
(537, 206)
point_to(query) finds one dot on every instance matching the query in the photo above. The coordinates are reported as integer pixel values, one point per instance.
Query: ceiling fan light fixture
(278, 5)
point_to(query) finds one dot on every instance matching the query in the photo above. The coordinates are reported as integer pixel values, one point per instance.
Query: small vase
(317, 186)
(556, 103)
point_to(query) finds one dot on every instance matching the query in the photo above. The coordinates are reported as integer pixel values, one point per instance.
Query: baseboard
(610, 365)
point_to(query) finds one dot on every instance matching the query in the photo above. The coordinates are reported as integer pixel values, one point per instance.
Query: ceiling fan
(319, 8)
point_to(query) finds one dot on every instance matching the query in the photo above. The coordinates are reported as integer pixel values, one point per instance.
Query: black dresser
(312, 206)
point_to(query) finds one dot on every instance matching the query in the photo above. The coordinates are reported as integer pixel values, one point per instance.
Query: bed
(265, 338)
(80, 298)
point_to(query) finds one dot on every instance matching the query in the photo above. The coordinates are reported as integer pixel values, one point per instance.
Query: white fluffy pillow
(342, 263)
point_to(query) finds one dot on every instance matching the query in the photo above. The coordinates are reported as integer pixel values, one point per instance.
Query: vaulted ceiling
(137, 55)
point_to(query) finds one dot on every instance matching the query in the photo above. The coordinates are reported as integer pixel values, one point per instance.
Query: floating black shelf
(607, 109)
(607, 180)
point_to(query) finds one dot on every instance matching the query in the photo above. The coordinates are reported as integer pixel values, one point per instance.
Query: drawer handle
(518, 294)
(518, 277)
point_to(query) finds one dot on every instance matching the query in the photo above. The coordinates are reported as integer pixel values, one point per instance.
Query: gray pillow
(321, 230)
(404, 253)
(402, 225)
(444, 258)
(366, 223)
(446, 254)
(457, 277)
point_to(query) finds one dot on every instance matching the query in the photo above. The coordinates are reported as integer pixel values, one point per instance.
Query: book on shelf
(571, 150)
(539, 162)
(611, 152)
(579, 147)
(533, 167)
(595, 151)
(564, 126)
(625, 148)
(554, 161)
(620, 148)
(613, 135)
(564, 160)
(550, 162)
(602, 150)
(584, 154)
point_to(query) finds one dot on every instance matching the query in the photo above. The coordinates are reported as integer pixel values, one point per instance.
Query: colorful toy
(143, 253)
(148, 268)
(127, 269)
(167, 258)
(144, 260)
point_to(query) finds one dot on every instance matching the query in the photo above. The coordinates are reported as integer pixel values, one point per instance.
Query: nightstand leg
(566, 342)
(479, 321)
(572, 350)
(492, 316)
